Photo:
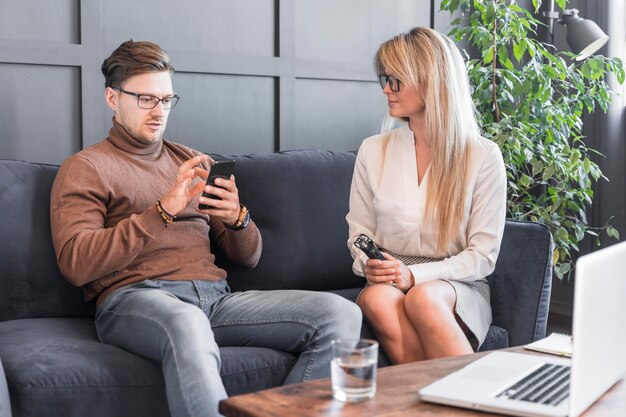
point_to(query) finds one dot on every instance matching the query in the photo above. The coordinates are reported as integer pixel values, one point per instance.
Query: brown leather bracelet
(165, 216)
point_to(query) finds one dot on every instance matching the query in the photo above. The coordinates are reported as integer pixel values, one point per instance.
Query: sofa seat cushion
(497, 338)
(248, 369)
(59, 364)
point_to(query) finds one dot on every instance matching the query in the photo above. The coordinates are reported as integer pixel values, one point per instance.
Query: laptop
(523, 384)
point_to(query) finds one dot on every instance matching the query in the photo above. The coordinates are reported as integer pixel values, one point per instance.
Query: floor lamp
(584, 36)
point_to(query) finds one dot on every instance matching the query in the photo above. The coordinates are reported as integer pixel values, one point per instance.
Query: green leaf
(488, 56)
(452, 5)
(548, 173)
(561, 234)
(562, 3)
(536, 5)
(620, 71)
(574, 156)
(562, 269)
(519, 49)
(503, 54)
(550, 72)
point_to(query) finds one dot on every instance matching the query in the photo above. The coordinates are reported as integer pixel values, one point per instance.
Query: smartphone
(219, 169)
(367, 245)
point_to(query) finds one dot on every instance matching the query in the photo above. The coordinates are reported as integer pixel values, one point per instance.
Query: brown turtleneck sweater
(107, 232)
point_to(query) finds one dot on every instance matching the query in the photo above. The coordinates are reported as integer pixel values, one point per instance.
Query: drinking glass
(353, 369)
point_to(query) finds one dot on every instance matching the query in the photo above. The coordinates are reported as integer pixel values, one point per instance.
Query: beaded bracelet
(165, 216)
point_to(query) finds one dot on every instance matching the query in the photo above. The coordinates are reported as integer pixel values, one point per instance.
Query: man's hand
(227, 209)
(390, 271)
(181, 192)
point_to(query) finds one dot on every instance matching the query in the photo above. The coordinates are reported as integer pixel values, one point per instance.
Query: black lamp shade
(583, 36)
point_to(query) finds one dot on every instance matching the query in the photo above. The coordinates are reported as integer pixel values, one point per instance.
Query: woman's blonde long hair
(429, 62)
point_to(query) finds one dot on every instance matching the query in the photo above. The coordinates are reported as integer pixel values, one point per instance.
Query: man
(127, 229)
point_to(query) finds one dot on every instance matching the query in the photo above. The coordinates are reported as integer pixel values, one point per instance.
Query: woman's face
(407, 102)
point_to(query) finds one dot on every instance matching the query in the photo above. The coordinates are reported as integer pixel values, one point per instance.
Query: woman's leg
(430, 309)
(383, 308)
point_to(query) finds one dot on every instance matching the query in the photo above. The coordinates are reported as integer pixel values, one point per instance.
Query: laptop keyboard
(547, 385)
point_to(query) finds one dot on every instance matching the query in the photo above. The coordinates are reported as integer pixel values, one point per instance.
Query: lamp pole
(551, 15)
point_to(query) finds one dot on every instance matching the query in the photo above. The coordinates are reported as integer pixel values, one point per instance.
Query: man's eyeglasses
(393, 82)
(146, 101)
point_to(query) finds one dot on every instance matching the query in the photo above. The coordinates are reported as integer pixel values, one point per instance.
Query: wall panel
(351, 30)
(39, 112)
(224, 114)
(337, 115)
(48, 21)
(255, 76)
(240, 27)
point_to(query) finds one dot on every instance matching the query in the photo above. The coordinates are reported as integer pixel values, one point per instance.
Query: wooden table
(397, 395)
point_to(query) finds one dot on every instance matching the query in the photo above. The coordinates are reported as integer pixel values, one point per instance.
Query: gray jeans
(182, 324)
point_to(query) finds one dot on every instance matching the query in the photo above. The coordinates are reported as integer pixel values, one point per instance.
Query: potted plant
(530, 100)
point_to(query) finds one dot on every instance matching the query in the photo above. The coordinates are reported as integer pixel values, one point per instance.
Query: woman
(432, 194)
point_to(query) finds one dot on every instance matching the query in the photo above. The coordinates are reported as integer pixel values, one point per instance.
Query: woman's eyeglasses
(390, 80)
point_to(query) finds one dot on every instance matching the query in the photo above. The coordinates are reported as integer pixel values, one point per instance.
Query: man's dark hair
(132, 58)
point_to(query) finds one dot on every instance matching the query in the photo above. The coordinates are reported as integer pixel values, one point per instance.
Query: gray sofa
(55, 365)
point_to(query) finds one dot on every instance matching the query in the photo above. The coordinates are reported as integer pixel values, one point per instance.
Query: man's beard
(142, 137)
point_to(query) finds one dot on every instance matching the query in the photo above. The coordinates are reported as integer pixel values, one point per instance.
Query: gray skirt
(472, 307)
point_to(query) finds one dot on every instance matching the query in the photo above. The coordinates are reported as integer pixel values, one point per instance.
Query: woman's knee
(380, 305)
(430, 298)
(377, 301)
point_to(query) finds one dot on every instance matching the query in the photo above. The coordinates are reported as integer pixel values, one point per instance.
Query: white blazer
(387, 203)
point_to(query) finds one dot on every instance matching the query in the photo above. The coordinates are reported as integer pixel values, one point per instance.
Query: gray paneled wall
(255, 76)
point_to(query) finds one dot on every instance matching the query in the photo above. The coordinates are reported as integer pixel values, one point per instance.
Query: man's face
(146, 125)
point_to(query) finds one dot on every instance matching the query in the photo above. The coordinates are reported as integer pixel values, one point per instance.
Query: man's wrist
(165, 205)
(242, 220)
(165, 216)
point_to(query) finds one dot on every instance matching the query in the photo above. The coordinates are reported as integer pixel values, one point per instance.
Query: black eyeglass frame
(390, 80)
(173, 99)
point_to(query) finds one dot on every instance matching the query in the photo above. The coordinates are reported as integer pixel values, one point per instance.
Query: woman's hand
(390, 271)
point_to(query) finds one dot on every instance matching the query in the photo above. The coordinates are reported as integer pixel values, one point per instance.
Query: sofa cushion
(299, 200)
(60, 364)
(31, 284)
(497, 338)
(521, 284)
(248, 369)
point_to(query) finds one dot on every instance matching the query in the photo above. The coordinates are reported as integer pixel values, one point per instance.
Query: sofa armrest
(5, 403)
(522, 281)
